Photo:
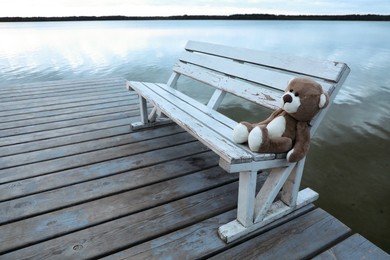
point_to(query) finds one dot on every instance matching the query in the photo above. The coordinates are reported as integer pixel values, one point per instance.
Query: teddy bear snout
(287, 98)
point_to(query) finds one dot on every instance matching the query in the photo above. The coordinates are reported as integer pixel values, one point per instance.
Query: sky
(30, 8)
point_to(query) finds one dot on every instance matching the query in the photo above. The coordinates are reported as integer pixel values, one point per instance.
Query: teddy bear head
(304, 98)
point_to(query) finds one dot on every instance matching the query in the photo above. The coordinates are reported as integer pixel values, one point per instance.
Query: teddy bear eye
(297, 94)
(291, 90)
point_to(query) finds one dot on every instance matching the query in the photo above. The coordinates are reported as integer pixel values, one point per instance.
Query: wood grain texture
(76, 193)
(75, 135)
(194, 242)
(354, 247)
(24, 187)
(88, 189)
(100, 210)
(61, 84)
(29, 119)
(194, 125)
(96, 123)
(240, 88)
(302, 65)
(87, 146)
(296, 239)
(78, 160)
(127, 230)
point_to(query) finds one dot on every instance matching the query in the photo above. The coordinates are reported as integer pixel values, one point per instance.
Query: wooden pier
(76, 183)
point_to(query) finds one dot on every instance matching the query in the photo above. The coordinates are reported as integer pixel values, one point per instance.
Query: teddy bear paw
(255, 139)
(288, 157)
(240, 134)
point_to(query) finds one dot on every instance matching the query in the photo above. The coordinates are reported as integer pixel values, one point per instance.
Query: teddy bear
(287, 129)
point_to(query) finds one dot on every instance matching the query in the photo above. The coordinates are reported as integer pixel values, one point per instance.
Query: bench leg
(291, 187)
(143, 110)
(246, 197)
(153, 119)
(256, 212)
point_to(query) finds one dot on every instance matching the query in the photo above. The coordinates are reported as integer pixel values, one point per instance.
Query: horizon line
(254, 16)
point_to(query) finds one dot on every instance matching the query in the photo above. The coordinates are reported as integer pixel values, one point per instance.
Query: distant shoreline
(352, 17)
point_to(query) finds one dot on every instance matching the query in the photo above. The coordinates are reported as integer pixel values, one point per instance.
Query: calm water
(348, 162)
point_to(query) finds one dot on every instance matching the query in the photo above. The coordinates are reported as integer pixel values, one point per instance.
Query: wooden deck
(76, 183)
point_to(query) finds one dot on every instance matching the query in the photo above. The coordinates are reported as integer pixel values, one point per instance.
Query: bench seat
(210, 127)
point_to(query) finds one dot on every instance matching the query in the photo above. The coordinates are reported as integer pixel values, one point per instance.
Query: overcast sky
(189, 7)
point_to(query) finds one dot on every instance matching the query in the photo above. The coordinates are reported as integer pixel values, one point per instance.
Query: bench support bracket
(155, 117)
(235, 230)
(254, 212)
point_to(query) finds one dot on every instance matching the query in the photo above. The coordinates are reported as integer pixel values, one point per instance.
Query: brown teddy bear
(287, 128)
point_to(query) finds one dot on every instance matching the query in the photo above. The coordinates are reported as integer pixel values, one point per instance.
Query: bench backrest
(257, 76)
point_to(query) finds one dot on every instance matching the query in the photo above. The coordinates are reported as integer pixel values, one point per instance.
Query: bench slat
(206, 111)
(262, 96)
(327, 70)
(261, 75)
(218, 143)
(223, 121)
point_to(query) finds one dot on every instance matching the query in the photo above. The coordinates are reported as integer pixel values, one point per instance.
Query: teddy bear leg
(241, 132)
(259, 141)
(257, 138)
(279, 144)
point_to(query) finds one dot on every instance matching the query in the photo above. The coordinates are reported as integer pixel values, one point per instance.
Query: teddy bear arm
(302, 143)
(271, 117)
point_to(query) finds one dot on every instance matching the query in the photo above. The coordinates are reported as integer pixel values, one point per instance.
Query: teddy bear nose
(287, 99)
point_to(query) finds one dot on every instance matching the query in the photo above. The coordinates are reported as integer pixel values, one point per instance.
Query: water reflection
(348, 164)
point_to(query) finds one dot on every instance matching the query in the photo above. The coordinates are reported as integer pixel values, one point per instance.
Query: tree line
(352, 17)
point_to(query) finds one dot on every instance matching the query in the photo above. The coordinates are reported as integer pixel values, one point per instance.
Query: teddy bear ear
(289, 82)
(324, 100)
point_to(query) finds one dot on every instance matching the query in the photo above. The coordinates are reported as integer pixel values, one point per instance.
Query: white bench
(255, 76)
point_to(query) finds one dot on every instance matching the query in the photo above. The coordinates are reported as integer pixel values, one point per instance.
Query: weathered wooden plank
(354, 247)
(88, 125)
(214, 120)
(270, 190)
(240, 88)
(55, 180)
(322, 69)
(198, 241)
(143, 110)
(88, 146)
(18, 105)
(167, 166)
(192, 104)
(172, 81)
(46, 139)
(216, 99)
(66, 90)
(123, 230)
(235, 230)
(289, 193)
(246, 197)
(223, 147)
(69, 119)
(296, 239)
(48, 201)
(58, 84)
(219, 123)
(112, 114)
(54, 108)
(63, 114)
(69, 162)
(260, 75)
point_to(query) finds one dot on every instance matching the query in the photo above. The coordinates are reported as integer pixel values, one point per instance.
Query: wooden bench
(255, 76)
